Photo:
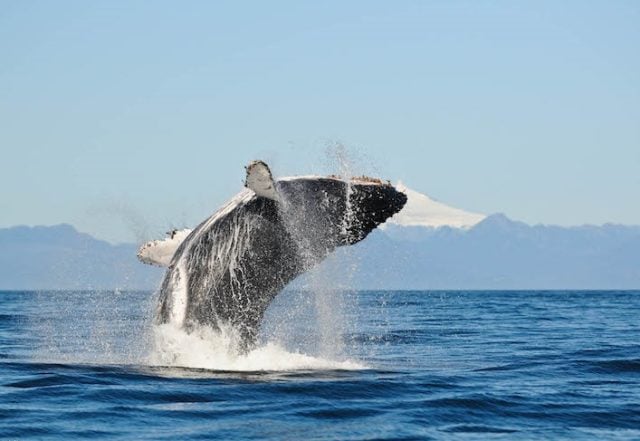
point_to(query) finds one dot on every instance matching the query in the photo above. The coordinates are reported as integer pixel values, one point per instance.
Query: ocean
(331, 365)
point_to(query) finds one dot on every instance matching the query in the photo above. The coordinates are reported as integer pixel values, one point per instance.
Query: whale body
(227, 270)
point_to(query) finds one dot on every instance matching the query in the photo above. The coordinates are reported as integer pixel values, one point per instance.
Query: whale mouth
(362, 179)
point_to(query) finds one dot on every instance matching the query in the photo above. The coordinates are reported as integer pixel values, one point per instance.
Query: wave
(205, 348)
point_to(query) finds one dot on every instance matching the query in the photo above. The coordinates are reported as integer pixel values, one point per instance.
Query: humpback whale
(227, 270)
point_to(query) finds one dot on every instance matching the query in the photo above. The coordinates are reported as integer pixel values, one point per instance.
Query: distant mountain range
(498, 253)
(428, 245)
(59, 257)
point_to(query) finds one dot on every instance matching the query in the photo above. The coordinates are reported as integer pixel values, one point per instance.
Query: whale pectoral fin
(260, 180)
(160, 252)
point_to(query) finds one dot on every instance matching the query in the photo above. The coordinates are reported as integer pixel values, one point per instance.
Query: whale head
(371, 203)
(327, 212)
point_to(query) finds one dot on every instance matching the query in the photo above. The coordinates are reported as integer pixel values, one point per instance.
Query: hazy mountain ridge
(501, 253)
(60, 257)
(495, 253)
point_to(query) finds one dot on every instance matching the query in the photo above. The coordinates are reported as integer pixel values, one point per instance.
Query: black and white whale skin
(230, 267)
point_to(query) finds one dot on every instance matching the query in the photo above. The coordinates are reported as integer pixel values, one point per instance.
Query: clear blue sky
(125, 118)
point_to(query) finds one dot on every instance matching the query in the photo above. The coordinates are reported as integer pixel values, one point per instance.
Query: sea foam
(205, 348)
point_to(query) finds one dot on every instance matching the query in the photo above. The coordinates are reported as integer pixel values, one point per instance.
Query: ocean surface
(331, 365)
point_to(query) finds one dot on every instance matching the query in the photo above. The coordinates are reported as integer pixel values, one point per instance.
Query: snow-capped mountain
(423, 211)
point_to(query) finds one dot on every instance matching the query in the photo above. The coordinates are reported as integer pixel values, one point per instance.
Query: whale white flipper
(260, 180)
(160, 252)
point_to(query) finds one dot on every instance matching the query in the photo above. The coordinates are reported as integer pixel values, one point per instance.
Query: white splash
(204, 348)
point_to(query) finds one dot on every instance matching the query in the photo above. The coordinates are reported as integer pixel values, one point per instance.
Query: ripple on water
(479, 365)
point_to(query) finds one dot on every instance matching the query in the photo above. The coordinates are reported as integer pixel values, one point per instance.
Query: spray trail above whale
(227, 270)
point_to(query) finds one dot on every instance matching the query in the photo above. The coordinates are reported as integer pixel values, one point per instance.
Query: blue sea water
(335, 365)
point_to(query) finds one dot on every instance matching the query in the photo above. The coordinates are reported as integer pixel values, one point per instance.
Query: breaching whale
(227, 270)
